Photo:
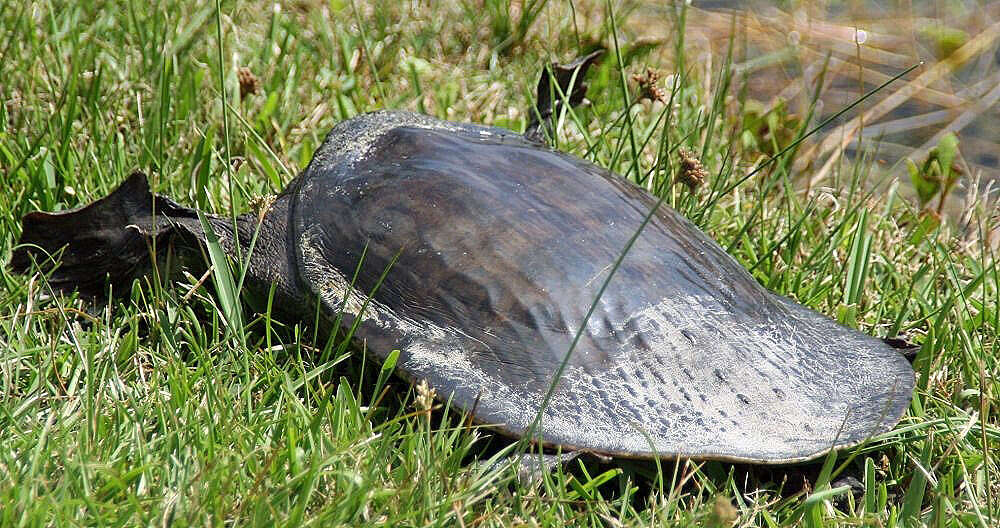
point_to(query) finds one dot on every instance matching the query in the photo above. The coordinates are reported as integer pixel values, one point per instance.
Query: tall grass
(153, 411)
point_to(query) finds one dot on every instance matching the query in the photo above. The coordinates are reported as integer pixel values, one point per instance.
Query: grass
(162, 410)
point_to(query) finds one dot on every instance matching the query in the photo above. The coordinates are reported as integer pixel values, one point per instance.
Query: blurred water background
(783, 50)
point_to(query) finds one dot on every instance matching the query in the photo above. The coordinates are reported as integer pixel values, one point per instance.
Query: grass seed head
(692, 173)
(724, 514)
(648, 88)
(425, 396)
(249, 83)
(261, 205)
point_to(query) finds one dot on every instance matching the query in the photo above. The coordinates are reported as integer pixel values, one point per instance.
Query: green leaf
(225, 286)
(587, 490)
(929, 223)
(823, 495)
(914, 498)
(383, 376)
(925, 185)
(858, 260)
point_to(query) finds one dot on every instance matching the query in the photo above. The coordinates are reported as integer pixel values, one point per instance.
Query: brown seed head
(692, 171)
(261, 205)
(724, 514)
(249, 83)
(648, 88)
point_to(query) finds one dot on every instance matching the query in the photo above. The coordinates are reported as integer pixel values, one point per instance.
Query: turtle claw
(531, 468)
(905, 347)
(571, 87)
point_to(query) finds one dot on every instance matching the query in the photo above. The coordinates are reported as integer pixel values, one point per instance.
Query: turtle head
(133, 232)
(107, 242)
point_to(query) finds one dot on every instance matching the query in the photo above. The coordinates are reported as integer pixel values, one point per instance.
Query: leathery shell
(501, 245)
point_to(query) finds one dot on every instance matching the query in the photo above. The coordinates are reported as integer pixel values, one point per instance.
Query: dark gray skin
(500, 247)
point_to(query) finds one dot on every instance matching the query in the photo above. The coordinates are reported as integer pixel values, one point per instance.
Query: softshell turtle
(485, 250)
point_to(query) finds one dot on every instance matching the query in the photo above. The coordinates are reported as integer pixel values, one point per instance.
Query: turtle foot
(569, 87)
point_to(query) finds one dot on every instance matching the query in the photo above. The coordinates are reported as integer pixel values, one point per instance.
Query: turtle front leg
(531, 468)
(569, 86)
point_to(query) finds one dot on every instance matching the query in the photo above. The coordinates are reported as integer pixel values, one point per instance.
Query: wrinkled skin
(493, 249)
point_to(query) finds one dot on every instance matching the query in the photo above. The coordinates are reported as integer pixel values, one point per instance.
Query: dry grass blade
(841, 136)
(875, 77)
(905, 124)
(963, 120)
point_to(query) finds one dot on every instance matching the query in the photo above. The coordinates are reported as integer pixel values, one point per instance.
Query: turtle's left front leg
(531, 467)
(568, 86)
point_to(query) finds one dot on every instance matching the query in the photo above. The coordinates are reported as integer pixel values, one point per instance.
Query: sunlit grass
(156, 411)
